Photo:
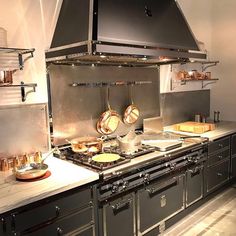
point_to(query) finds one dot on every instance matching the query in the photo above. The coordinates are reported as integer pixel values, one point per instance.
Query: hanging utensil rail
(109, 84)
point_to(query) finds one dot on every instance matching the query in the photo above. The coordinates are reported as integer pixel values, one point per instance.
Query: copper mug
(4, 164)
(8, 77)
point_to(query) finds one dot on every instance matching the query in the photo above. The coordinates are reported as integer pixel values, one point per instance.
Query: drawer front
(55, 209)
(218, 145)
(67, 225)
(194, 185)
(219, 157)
(217, 175)
(156, 204)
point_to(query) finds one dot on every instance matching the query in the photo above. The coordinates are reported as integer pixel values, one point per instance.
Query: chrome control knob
(125, 185)
(172, 166)
(146, 178)
(114, 188)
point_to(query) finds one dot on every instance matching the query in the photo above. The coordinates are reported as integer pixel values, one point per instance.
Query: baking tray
(163, 145)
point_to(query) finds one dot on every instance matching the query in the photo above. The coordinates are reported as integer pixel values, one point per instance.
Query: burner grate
(145, 149)
(86, 160)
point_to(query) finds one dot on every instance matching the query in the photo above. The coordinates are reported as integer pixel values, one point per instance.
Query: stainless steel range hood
(123, 32)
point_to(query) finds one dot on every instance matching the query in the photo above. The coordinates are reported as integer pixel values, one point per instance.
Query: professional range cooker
(130, 187)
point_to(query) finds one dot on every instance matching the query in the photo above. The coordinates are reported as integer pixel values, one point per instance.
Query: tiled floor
(215, 218)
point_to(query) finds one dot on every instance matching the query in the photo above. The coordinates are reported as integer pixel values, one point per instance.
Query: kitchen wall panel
(182, 106)
(223, 96)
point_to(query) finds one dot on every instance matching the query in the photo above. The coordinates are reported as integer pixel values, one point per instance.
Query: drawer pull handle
(59, 231)
(13, 221)
(220, 157)
(168, 184)
(121, 205)
(4, 225)
(219, 174)
(57, 210)
(220, 145)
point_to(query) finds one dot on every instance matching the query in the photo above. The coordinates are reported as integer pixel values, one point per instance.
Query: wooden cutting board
(194, 127)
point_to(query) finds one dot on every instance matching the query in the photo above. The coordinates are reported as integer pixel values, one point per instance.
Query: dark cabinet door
(66, 225)
(217, 175)
(159, 202)
(194, 185)
(30, 217)
(119, 217)
(218, 157)
(218, 145)
(143, 22)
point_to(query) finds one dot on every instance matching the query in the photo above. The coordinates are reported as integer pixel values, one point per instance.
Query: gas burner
(145, 149)
(86, 160)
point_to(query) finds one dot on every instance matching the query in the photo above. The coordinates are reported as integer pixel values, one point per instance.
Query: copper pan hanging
(132, 112)
(110, 119)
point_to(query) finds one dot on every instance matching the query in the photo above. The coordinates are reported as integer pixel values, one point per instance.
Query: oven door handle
(196, 170)
(120, 205)
(167, 184)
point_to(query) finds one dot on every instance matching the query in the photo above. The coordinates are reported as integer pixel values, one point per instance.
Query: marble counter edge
(42, 196)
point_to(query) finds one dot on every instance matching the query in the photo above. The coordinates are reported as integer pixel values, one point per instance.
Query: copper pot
(129, 143)
(87, 145)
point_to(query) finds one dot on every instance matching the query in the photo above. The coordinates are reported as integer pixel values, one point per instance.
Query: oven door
(118, 217)
(159, 202)
(194, 184)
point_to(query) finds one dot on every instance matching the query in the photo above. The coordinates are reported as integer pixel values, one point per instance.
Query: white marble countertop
(223, 128)
(64, 176)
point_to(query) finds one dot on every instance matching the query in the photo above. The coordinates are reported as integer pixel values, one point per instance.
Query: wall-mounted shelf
(205, 64)
(204, 82)
(14, 58)
(22, 87)
(109, 84)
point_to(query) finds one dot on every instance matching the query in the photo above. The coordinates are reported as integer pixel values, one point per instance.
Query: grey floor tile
(215, 218)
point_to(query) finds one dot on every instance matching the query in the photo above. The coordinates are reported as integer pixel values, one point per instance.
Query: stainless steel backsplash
(75, 110)
(182, 106)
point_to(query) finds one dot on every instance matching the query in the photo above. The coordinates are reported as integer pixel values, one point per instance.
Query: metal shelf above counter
(12, 59)
(205, 64)
(204, 82)
(22, 86)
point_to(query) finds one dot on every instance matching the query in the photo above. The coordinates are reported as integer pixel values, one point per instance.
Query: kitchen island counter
(64, 176)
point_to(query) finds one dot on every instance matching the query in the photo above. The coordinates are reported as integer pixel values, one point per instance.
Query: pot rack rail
(22, 87)
(22, 56)
(109, 84)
